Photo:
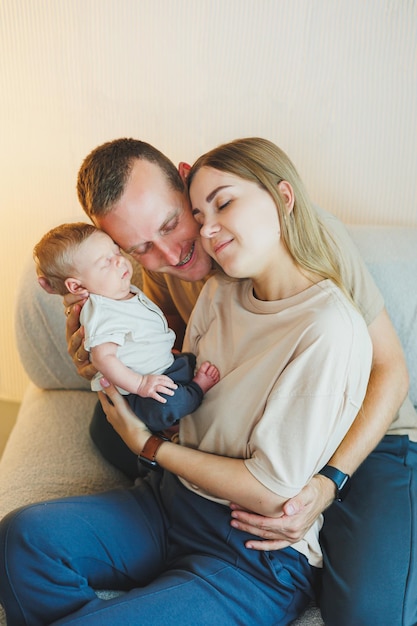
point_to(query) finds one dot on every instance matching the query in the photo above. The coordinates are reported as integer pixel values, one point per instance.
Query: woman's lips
(219, 247)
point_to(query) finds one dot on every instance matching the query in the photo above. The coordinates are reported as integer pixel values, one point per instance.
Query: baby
(126, 334)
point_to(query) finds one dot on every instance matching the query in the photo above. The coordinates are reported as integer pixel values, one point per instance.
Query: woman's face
(239, 222)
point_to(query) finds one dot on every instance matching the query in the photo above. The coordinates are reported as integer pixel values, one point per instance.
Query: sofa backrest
(390, 253)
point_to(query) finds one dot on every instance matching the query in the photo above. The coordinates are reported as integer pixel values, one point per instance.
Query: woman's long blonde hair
(262, 162)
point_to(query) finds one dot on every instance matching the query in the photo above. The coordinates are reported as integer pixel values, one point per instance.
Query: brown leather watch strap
(151, 447)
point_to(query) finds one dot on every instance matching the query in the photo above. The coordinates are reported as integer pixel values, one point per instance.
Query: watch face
(344, 489)
(153, 465)
(344, 481)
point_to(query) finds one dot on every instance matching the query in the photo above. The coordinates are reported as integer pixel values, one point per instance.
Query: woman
(294, 357)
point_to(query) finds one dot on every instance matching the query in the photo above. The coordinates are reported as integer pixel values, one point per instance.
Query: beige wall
(334, 82)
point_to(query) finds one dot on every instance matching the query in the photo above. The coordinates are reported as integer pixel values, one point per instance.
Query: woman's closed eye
(223, 205)
(199, 216)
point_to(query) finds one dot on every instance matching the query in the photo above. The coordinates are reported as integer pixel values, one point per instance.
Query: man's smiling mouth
(187, 258)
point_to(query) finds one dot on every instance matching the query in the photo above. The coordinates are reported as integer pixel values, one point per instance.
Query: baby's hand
(152, 385)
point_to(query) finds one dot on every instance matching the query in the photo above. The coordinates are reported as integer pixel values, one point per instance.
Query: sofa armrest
(40, 336)
(50, 454)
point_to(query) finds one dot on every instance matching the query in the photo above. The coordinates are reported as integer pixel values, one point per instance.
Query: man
(137, 196)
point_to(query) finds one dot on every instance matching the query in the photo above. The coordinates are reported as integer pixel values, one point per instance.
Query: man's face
(154, 224)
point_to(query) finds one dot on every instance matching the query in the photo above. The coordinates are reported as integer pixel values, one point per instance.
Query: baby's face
(101, 267)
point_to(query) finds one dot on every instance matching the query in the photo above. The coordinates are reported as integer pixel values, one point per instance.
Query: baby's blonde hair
(54, 254)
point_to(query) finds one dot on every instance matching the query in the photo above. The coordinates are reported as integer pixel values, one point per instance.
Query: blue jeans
(172, 551)
(369, 542)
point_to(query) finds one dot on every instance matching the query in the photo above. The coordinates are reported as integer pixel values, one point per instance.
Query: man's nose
(169, 251)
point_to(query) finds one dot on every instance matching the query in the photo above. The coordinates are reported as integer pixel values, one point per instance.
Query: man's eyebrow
(215, 191)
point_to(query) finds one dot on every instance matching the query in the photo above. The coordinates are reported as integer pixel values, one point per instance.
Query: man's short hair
(104, 173)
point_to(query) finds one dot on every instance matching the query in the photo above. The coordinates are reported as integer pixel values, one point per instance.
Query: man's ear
(184, 170)
(287, 194)
(75, 287)
(44, 283)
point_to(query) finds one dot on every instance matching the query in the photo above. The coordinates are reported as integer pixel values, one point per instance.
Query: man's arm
(387, 389)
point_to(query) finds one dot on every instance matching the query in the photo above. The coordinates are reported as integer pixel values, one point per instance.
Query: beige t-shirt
(294, 373)
(175, 296)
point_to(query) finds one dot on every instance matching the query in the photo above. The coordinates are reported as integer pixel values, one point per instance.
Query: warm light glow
(334, 85)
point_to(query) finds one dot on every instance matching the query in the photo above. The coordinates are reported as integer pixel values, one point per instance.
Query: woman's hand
(119, 414)
(75, 338)
(299, 514)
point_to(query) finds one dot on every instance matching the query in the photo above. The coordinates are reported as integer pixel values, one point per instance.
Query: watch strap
(147, 456)
(341, 480)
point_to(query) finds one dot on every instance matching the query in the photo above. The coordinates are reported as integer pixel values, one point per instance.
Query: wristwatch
(148, 454)
(341, 480)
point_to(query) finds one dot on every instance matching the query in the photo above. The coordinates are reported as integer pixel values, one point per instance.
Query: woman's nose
(209, 228)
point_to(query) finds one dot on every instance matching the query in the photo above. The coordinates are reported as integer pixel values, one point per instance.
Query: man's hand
(299, 515)
(75, 341)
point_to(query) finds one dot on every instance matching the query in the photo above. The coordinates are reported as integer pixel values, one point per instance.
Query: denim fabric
(370, 541)
(174, 553)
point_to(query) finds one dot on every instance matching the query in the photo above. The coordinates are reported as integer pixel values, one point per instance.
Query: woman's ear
(287, 194)
(184, 170)
(75, 287)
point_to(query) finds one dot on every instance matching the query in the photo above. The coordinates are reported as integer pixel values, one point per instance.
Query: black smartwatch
(341, 480)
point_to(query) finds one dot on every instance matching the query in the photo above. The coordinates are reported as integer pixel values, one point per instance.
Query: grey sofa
(49, 453)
